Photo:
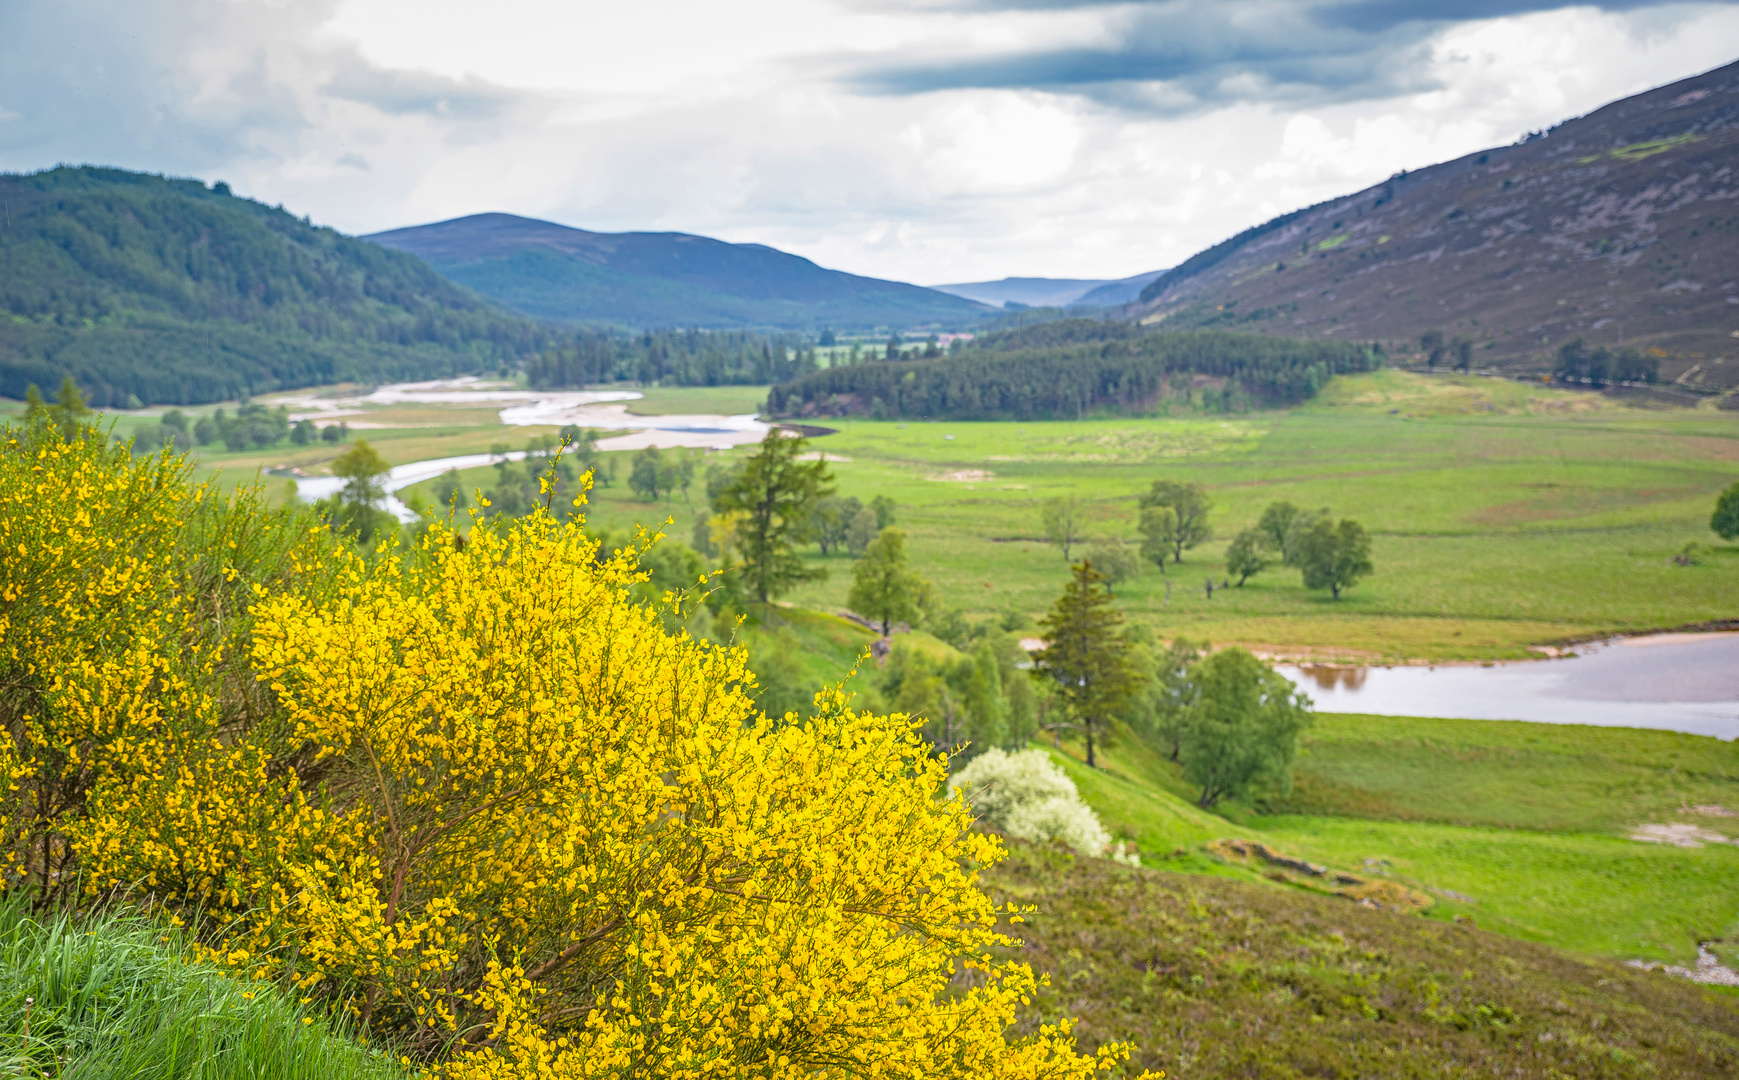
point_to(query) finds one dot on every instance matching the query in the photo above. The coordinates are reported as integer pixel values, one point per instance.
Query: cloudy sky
(926, 140)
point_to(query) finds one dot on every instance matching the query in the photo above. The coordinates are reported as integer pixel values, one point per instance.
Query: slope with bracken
(1620, 227)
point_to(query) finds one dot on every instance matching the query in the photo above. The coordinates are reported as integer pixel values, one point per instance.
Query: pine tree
(776, 493)
(1086, 654)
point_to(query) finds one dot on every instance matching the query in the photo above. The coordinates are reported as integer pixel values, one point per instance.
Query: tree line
(1070, 368)
(675, 357)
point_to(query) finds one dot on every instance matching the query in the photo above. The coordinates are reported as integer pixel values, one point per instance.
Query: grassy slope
(1215, 978)
(113, 998)
(1525, 831)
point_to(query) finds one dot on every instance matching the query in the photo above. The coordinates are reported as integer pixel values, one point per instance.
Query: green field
(1523, 827)
(1503, 515)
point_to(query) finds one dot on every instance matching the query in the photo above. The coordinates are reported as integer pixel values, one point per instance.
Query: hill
(1617, 227)
(1053, 292)
(169, 291)
(640, 279)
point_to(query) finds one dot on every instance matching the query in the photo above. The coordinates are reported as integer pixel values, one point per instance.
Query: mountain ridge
(563, 274)
(1618, 227)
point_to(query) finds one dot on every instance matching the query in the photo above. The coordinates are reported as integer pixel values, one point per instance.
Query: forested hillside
(1070, 368)
(167, 291)
(646, 279)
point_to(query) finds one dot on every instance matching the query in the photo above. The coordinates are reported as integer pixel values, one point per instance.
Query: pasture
(1503, 515)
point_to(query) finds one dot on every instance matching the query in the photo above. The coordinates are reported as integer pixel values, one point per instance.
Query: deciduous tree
(1246, 555)
(883, 586)
(1190, 502)
(1158, 527)
(1334, 556)
(1725, 520)
(1062, 521)
(1241, 727)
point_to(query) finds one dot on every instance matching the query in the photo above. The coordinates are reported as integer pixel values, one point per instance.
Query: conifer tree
(1086, 654)
(776, 493)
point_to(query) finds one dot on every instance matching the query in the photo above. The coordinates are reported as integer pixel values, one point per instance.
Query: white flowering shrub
(1025, 795)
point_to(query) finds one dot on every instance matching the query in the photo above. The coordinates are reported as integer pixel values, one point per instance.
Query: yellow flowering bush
(481, 799)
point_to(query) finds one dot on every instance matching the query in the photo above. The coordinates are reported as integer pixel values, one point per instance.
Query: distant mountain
(1053, 292)
(640, 279)
(1620, 228)
(1026, 291)
(1123, 291)
(173, 292)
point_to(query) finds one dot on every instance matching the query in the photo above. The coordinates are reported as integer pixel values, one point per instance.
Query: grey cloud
(1174, 57)
(402, 93)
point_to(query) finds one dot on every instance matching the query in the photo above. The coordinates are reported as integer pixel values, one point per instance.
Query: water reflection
(1675, 682)
(1334, 678)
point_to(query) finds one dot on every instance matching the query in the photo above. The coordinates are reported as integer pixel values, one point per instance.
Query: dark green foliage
(884, 508)
(1579, 362)
(1066, 369)
(1725, 520)
(962, 703)
(253, 427)
(883, 587)
(169, 292)
(1086, 658)
(1216, 978)
(1165, 690)
(1275, 522)
(672, 357)
(776, 494)
(1241, 727)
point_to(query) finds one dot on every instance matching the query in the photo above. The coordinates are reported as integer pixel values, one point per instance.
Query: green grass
(1523, 827)
(115, 997)
(1503, 514)
(728, 400)
(1219, 978)
(1546, 777)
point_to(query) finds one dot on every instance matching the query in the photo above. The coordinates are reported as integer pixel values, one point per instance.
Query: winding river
(601, 410)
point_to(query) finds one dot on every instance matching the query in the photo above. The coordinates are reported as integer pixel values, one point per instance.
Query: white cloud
(740, 121)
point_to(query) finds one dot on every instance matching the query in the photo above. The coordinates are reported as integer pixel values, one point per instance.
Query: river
(1675, 682)
(598, 409)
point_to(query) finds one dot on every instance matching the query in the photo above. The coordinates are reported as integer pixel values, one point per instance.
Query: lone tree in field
(1190, 502)
(883, 586)
(1240, 728)
(1247, 555)
(776, 495)
(1334, 556)
(1062, 521)
(1158, 528)
(1725, 520)
(1086, 655)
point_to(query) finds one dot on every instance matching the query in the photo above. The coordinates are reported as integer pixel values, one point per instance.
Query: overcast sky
(925, 140)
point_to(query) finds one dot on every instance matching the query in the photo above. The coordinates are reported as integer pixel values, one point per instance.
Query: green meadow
(1503, 515)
